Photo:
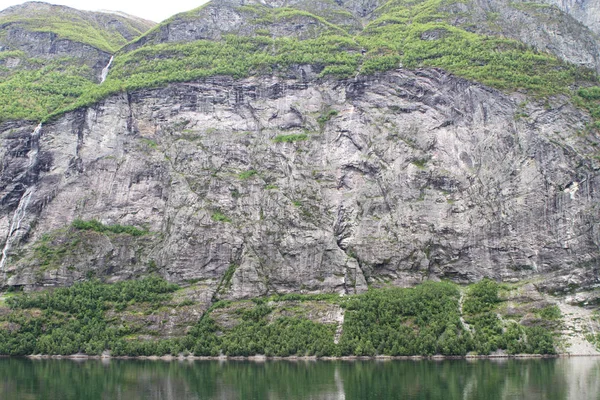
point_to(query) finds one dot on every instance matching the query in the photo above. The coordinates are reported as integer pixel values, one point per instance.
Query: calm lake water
(571, 378)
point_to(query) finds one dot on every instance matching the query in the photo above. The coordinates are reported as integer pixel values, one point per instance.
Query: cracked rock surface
(271, 185)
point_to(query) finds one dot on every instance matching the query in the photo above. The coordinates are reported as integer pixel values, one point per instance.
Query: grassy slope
(78, 26)
(395, 37)
(38, 87)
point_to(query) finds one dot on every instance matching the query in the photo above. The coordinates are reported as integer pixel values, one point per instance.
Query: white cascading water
(21, 210)
(35, 145)
(105, 71)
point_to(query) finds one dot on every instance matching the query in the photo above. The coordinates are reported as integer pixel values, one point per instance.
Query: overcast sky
(148, 9)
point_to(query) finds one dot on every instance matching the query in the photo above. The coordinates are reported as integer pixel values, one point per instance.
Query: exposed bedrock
(269, 185)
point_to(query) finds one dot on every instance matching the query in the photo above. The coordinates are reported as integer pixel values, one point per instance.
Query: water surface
(548, 379)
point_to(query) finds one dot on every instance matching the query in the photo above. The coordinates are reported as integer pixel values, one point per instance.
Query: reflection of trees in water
(562, 379)
(479, 379)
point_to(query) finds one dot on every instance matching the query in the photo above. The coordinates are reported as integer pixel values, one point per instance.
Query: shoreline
(261, 358)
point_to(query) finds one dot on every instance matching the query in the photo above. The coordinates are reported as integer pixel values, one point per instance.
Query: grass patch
(218, 216)
(290, 138)
(97, 226)
(247, 174)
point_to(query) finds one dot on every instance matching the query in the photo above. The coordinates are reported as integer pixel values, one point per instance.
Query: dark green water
(574, 378)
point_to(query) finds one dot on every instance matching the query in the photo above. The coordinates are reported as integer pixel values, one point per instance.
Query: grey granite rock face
(50, 45)
(267, 185)
(40, 31)
(573, 36)
(219, 18)
(545, 28)
(585, 11)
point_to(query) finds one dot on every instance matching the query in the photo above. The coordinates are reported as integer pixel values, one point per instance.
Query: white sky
(154, 10)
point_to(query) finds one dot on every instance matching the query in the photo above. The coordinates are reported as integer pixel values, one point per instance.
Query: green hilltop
(336, 42)
(104, 31)
(36, 81)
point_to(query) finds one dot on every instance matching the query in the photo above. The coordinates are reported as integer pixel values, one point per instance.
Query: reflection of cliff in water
(583, 379)
(530, 379)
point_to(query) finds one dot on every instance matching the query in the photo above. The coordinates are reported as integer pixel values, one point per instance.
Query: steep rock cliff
(585, 11)
(312, 171)
(267, 185)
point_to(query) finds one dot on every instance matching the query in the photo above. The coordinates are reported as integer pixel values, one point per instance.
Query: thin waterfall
(15, 225)
(21, 211)
(105, 70)
(35, 145)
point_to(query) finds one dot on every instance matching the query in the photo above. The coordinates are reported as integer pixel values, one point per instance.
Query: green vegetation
(550, 313)
(50, 254)
(491, 333)
(36, 88)
(482, 297)
(420, 163)
(290, 138)
(93, 29)
(322, 120)
(255, 335)
(60, 247)
(92, 317)
(589, 98)
(225, 283)
(218, 216)
(394, 38)
(35, 93)
(409, 34)
(97, 226)
(247, 174)
(423, 320)
(72, 320)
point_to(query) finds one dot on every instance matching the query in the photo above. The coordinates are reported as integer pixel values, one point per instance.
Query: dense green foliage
(97, 226)
(482, 297)
(42, 87)
(391, 40)
(491, 333)
(424, 320)
(254, 335)
(37, 87)
(72, 320)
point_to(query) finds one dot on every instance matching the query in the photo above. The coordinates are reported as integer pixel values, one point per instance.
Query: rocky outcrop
(45, 31)
(545, 28)
(585, 11)
(571, 36)
(271, 185)
(50, 45)
(217, 19)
